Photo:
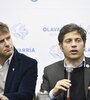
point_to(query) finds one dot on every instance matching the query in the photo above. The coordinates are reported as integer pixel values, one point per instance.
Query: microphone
(69, 69)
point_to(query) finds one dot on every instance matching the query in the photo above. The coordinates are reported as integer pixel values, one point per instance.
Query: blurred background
(35, 24)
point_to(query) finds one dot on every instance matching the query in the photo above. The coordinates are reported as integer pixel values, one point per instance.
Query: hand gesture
(61, 85)
(2, 97)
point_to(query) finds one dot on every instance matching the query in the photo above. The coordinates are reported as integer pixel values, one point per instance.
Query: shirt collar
(9, 59)
(82, 63)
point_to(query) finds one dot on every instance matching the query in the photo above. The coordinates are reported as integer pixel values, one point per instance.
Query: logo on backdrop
(51, 30)
(26, 50)
(56, 52)
(34, 0)
(19, 31)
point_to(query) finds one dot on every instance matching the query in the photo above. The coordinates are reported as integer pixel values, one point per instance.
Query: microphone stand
(69, 69)
(68, 91)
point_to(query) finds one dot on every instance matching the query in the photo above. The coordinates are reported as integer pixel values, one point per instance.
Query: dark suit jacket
(55, 72)
(21, 78)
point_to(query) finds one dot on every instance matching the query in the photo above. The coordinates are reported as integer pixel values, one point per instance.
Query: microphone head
(69, 69)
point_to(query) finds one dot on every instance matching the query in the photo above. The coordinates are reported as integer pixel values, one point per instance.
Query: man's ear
(61, 46)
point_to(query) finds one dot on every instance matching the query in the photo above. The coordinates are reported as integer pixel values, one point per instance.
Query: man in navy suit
(56, 80)
(18, 73)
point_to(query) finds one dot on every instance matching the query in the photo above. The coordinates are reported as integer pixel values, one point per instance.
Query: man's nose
(6, 42)
(73, 43)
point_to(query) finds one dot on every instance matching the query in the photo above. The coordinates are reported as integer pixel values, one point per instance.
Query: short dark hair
(69, 28)
(4, 28)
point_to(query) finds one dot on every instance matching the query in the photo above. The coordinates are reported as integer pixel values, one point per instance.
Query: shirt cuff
(52, 97)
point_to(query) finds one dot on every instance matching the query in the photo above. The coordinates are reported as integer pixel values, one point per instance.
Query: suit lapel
(11, 72)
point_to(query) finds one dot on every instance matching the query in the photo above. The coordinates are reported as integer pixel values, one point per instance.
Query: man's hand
(60, 86)
(2, 97)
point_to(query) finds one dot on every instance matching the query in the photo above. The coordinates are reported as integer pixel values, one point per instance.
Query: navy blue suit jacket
(21, 78)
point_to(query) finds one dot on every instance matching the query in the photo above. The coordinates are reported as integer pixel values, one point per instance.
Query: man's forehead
(4, 35)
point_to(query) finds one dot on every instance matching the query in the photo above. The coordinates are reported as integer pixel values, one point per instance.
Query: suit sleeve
(45, 84)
